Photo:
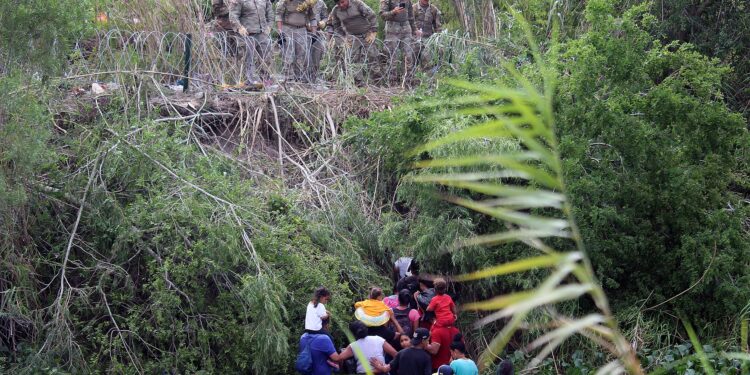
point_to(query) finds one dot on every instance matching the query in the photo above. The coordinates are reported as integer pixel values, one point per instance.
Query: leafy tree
(39, 34)
(650, 150)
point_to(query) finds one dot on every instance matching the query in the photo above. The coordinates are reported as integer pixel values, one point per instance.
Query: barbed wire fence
(217, 58)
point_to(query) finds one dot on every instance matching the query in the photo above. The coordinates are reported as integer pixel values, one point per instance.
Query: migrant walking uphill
(305, 32)
(412, 332)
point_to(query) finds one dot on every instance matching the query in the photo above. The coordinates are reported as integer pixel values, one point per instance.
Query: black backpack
(402, 317)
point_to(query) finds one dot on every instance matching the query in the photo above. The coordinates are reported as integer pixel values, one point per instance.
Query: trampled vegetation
(580, 173)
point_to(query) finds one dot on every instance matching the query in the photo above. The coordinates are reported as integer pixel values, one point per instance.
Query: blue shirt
(464, 367)
(321, 348)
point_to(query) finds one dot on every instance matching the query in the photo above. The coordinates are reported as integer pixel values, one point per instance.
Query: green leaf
(505, 237)
(544, 261)
(515, 217)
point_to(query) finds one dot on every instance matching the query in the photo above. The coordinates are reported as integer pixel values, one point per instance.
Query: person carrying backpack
(317, 354)
(406, 317)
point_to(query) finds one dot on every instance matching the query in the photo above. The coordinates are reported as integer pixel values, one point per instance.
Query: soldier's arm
(412, 22)
(269, 13)
(323, 12)
(235, 11)
(312, 19)
(385, 10)
(437, 22)
(280, 8)
(415, 12)
(338, 28)
(372, 19)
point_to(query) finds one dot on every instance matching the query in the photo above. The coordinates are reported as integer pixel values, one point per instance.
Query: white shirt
(372, 347)
(403, 264)
(313, 317)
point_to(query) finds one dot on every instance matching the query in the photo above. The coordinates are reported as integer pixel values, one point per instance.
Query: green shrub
(651, 150)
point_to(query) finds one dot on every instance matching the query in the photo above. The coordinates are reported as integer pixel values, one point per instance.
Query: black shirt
(412, 361)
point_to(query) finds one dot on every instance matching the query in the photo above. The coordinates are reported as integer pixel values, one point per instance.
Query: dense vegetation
(128, 247)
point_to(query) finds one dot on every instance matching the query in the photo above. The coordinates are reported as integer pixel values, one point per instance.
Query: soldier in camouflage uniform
(427, 19)
(400, 32)
(220, 23)
(357, 24)
(252, 20)
(318, 47)
(294, 18)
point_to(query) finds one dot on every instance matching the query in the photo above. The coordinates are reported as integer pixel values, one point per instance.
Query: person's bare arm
(346, 354)
(380, 366)
(389, 349)
(395, 277)
(336, 357)
(395, 323)
(433, 348)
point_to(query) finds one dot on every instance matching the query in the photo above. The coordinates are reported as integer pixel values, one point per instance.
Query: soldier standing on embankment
(320, 11)
(400, 32)
(251, 19)
(427, 19)
(294, 18)
(357, 23)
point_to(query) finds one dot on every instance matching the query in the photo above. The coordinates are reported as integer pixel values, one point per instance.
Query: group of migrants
(306, 29)
(412, 332)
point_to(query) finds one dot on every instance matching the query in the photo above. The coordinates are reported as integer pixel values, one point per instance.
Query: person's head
(343, 4)
(424, 3)
(440, 286)
(321, 295)
(404, 296)
(405, 341)
(458, 348)
(358, 329)
(423, 285)
(413, 268)
(376, 293)
(420, 338)
(505, 368)
(444, 370)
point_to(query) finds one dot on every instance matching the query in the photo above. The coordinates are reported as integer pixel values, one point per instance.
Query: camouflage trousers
(318, 48)
(256, 50)
(296, 52)
(359, 58)
(399, 48)
(427, 56)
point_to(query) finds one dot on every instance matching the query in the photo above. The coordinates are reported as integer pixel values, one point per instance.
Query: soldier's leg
(316, 55)
(373, 60)
(287, 53)
(407, 46)
(391, 53)
(248, 54)
(263, 53)
(300, 53)
(357, 51)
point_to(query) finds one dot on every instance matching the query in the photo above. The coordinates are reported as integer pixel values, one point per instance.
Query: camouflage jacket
(397, 20)
(255, 15)
(357, 19)
(221, 16)
(320, 10)
(296, 13)
(427, 18)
